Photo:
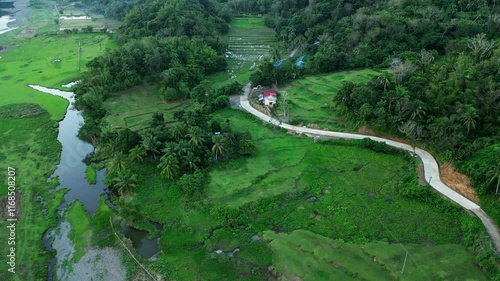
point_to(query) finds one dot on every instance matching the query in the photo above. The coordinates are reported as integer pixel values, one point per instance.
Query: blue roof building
(300, 62)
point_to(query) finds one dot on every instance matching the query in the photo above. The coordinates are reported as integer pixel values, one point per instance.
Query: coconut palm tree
(151, 145)
(468, 114)
(196, 136)
(169, 167)
(190, 161)
(494, 176)
(177, 131)
(417, 111)
(116, 162)
(385, 79)
(137, 154)
(218, 147)
(124, 181)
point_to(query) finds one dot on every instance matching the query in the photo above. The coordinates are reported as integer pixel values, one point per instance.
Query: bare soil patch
(27, 33)
(313, 126)
(458, 182)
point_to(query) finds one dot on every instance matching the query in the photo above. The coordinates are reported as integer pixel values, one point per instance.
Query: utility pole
(404, 263)
(79, 54)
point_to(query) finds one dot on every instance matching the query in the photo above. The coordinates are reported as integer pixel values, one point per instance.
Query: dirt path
(293, 52)
(431, 167)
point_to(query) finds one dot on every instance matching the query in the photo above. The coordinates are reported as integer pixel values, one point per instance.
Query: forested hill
(442, 83)
(175, 18)
(369, 32)
(171, 42)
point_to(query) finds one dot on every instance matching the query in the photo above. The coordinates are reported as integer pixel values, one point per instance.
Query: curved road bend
(431, 167)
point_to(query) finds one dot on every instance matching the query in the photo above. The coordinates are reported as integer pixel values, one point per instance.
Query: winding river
(71, 172)
(71, 175)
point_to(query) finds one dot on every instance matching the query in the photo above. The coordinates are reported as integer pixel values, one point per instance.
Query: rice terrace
(142, 148)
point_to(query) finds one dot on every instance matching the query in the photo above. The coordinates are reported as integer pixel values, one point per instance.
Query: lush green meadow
(354, 200)
(133, 108)
(27, 120)
(309, 256)
(310, 98)
(297, 208)
(34, 61)
(29, 145)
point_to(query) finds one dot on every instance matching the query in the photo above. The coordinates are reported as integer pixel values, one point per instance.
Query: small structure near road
(270, 97)
(264, 95)
(300, 62)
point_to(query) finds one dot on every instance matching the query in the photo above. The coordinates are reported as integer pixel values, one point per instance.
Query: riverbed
(71, 175)
(13, 14)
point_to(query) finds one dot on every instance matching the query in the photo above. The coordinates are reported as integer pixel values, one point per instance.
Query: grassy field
(35, 62)
(80, 231)
(354, 187)
(249, 40)
(28, 144)
(311, 97)
(309, 256)
(355, 200)
(123, 110)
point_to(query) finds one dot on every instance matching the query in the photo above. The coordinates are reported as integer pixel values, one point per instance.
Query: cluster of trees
(167, 18)
(174, 44)
(179, 63)
(451, 102)
(365, 33)
(116, 9)
(181, 149)
(268, 74)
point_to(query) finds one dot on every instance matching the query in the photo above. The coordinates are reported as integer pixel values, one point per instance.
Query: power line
(79, 54)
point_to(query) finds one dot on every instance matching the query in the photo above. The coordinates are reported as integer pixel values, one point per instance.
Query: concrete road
(431, 167)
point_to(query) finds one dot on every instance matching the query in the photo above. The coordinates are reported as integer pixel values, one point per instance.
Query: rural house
(270, 97)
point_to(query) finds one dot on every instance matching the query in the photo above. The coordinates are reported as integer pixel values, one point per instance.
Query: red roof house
(270, 97)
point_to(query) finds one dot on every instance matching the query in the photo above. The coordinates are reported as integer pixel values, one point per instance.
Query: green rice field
(249, 41)
(310, 98)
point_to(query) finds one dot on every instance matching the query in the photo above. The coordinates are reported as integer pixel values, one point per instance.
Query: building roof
(270, 93)
(301, 58)
(278, 63)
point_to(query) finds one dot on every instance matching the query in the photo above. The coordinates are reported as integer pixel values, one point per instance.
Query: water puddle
(141, 242)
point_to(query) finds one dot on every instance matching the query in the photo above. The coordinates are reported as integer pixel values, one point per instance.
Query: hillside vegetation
(219, 181)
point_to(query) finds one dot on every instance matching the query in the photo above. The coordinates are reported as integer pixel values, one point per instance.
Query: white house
(270, 97)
